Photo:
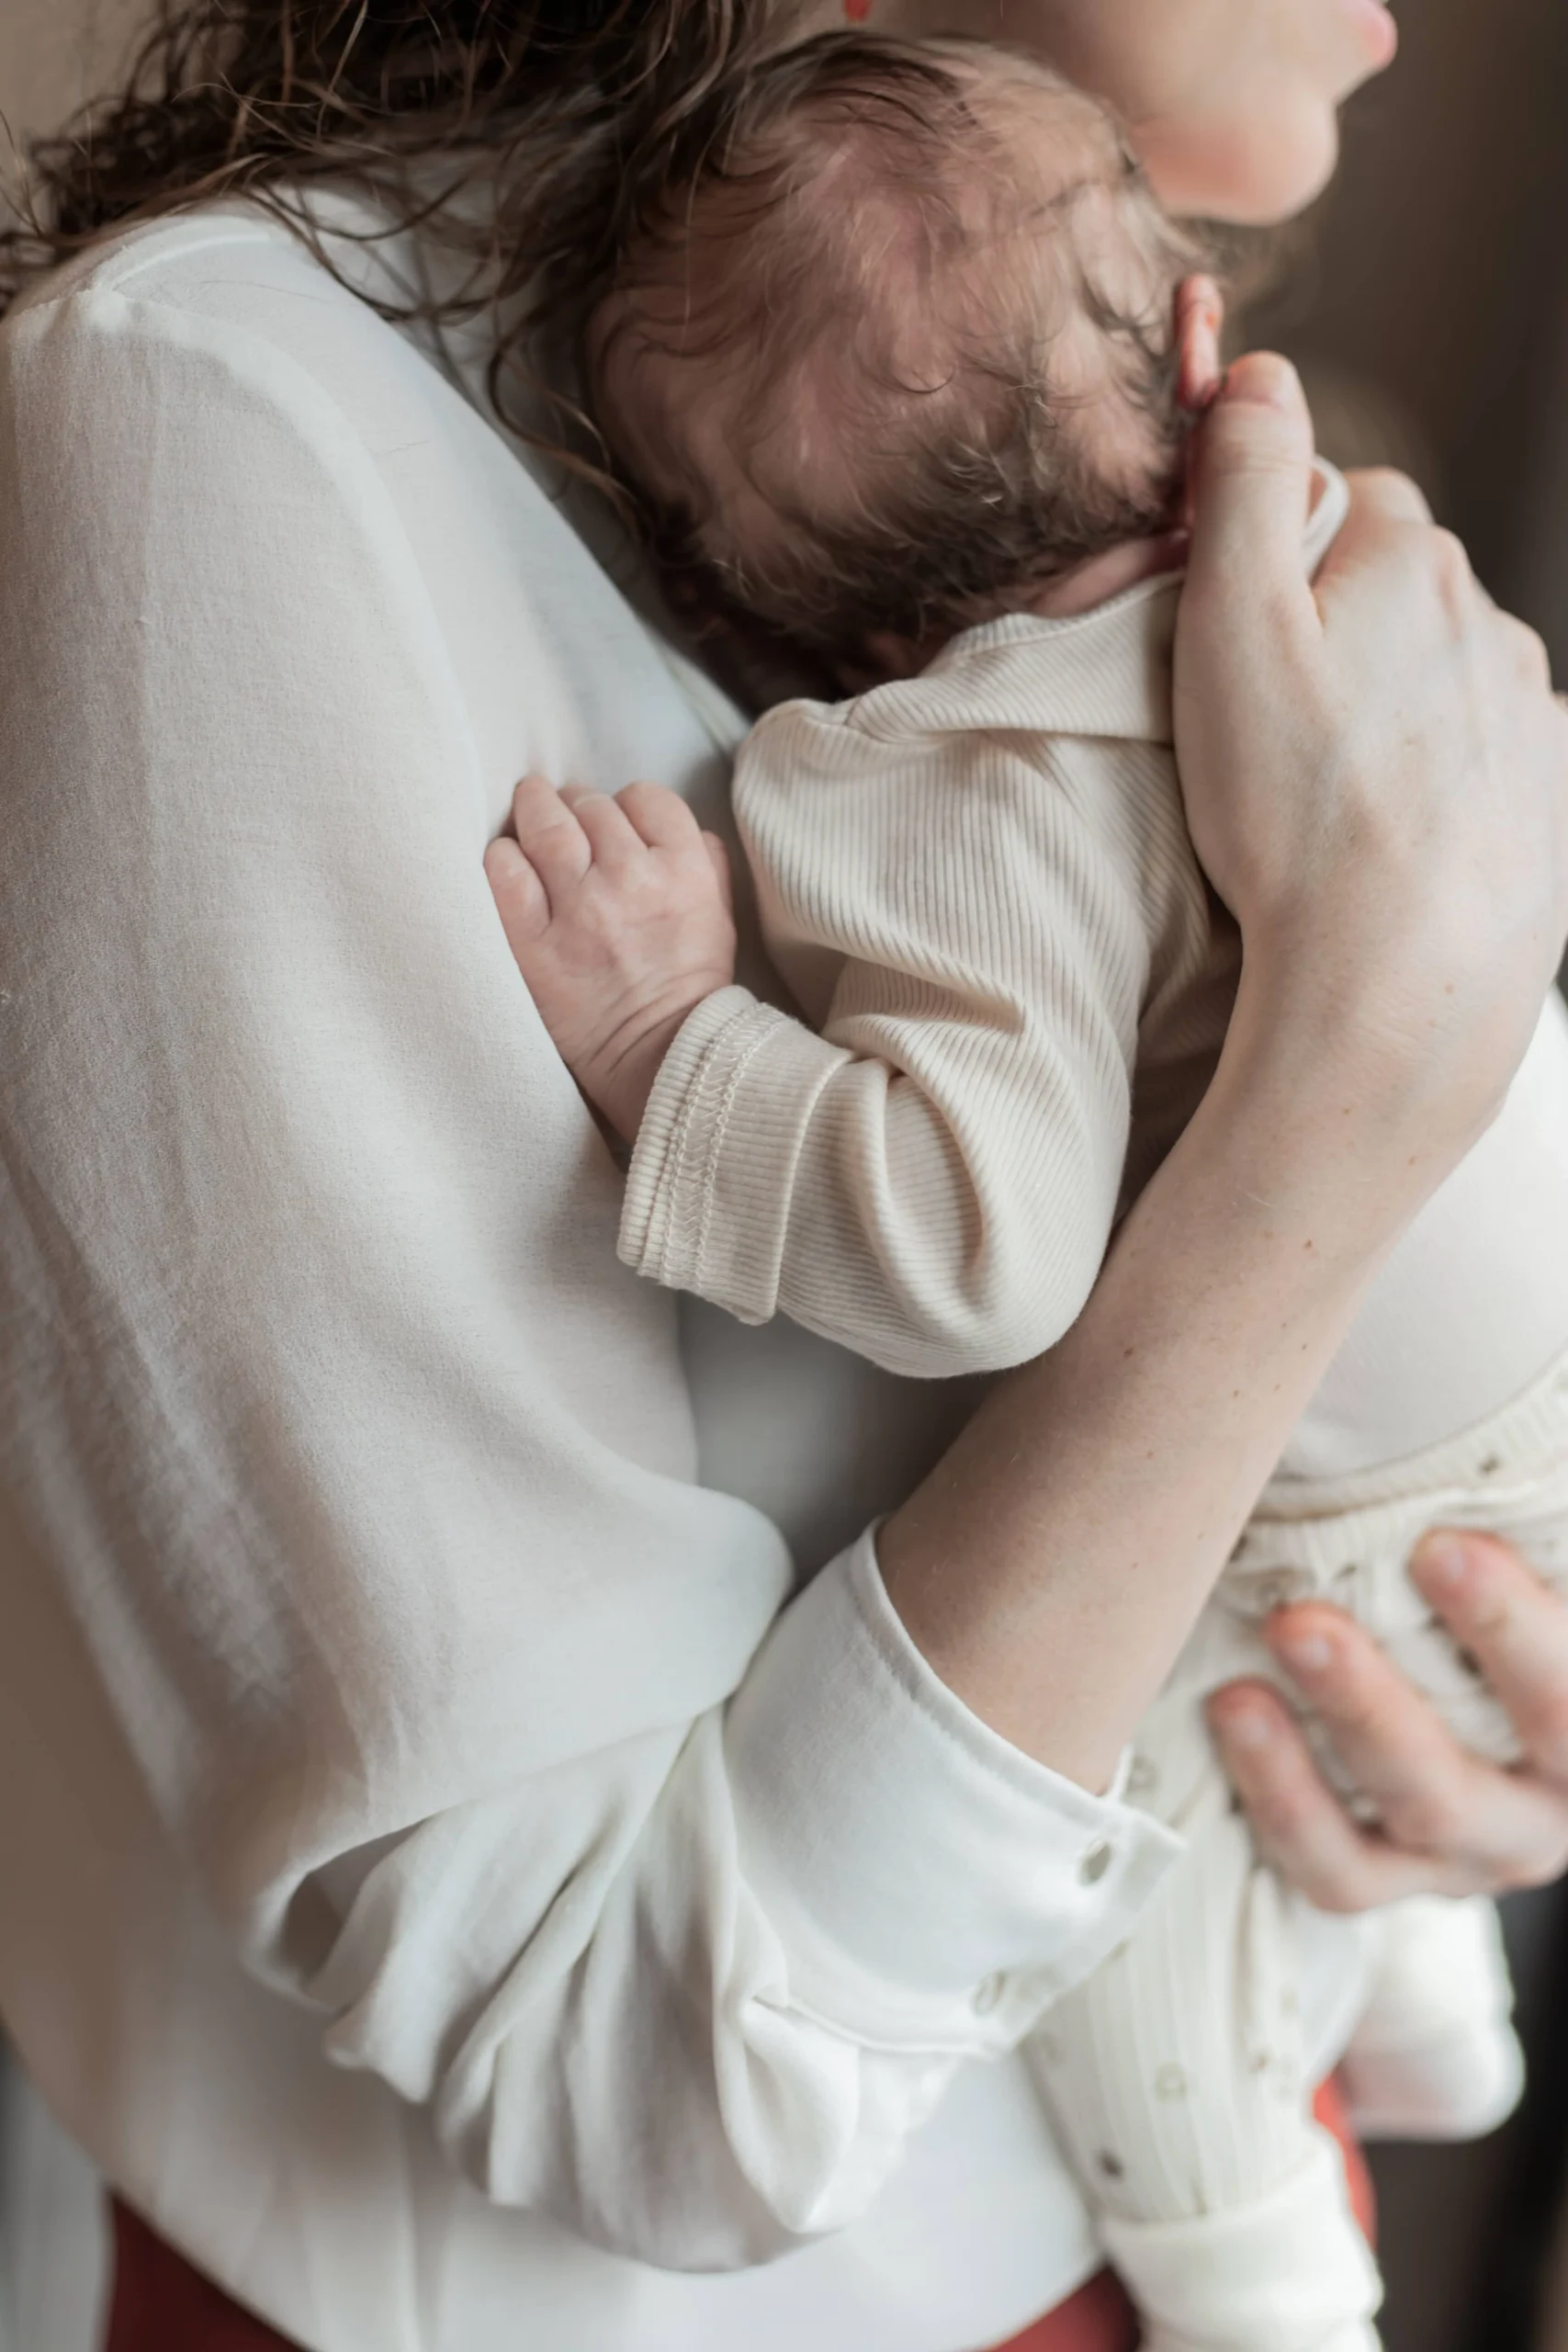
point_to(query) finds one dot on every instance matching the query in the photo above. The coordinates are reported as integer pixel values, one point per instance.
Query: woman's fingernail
(1265, 377)
(1305, 1653)
(1251, 1727)
(1442, 1560)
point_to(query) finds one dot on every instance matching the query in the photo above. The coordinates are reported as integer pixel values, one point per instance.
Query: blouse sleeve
(481, 1728)
(932, 1178)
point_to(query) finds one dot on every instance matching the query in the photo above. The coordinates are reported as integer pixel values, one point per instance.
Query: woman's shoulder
(233, 281)
(157, 252)
(226, 313)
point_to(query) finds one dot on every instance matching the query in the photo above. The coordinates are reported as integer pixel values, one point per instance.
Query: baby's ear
(1200, 316)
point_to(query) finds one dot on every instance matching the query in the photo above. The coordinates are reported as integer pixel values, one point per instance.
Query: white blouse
(449, 1885)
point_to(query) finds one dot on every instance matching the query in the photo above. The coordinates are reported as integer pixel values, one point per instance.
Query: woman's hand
(1377, 783)
(1452, 1824)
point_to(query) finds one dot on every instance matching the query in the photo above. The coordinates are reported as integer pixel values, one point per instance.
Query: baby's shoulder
(987, 719)
(983, 763)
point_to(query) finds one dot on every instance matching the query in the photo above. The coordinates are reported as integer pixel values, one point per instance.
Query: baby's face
(1231, 104)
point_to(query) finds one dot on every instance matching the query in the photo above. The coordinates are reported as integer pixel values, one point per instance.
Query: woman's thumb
(1252, 482)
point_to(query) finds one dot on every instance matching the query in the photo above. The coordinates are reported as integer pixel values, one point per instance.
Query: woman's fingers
(1301, 1827)
(1391, 497)
(1252, 458)
(1514, 1627)
(1450, 1823)
(1469, 1823)
(1392, 1744)
(1526, 648)
(550, 836)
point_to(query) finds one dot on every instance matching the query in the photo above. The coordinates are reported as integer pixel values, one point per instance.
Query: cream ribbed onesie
(979, 886)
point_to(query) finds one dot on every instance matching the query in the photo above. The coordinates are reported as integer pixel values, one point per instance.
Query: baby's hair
(854, 283)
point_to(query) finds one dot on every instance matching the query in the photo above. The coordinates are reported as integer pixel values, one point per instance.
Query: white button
(986, 1993)
(1094, 1863)
(1171, 2082)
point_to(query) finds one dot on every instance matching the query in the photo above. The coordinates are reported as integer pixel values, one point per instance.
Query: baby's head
(903, 355)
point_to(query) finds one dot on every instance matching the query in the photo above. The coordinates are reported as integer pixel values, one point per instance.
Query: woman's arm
(1377, 784)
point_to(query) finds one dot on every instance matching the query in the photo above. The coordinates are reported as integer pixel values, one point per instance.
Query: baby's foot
(619, 915)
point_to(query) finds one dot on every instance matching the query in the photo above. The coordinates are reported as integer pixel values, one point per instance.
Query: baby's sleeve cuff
(711, 1178)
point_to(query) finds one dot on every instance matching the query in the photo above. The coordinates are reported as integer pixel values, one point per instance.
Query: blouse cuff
(933, 1887)
(708, 1191)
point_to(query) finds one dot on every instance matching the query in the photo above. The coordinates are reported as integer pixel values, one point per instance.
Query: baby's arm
(933, 1179)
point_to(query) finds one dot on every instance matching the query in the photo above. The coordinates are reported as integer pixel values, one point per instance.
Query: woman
(412, 1773)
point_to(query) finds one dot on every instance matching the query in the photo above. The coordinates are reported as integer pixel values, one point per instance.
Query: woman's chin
(1256, 171)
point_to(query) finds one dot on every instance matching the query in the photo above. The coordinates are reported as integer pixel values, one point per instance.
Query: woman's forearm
(1053, 1563)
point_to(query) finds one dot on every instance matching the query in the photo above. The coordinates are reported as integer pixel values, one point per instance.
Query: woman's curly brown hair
(572, 106)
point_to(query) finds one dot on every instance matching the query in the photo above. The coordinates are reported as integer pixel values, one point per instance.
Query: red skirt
(162, 2304)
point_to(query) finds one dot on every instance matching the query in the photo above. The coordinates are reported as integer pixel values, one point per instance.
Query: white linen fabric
(451, 1886)
(980, 886)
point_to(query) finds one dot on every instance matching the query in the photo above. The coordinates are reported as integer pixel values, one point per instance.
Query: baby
(903, 377)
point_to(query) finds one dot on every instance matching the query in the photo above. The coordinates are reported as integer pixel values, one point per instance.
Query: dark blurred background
(1427, 304)
(1427, 308)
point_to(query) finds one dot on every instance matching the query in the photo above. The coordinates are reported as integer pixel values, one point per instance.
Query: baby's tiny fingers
(658, 815)
(519, 894)
(550, 836)
(609, 836)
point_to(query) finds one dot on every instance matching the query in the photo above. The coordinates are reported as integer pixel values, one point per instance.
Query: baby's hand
(619, 915)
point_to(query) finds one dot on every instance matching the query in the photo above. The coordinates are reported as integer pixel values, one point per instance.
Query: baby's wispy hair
(852, 292)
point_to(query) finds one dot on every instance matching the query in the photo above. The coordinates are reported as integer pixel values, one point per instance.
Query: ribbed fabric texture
(979, 885)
